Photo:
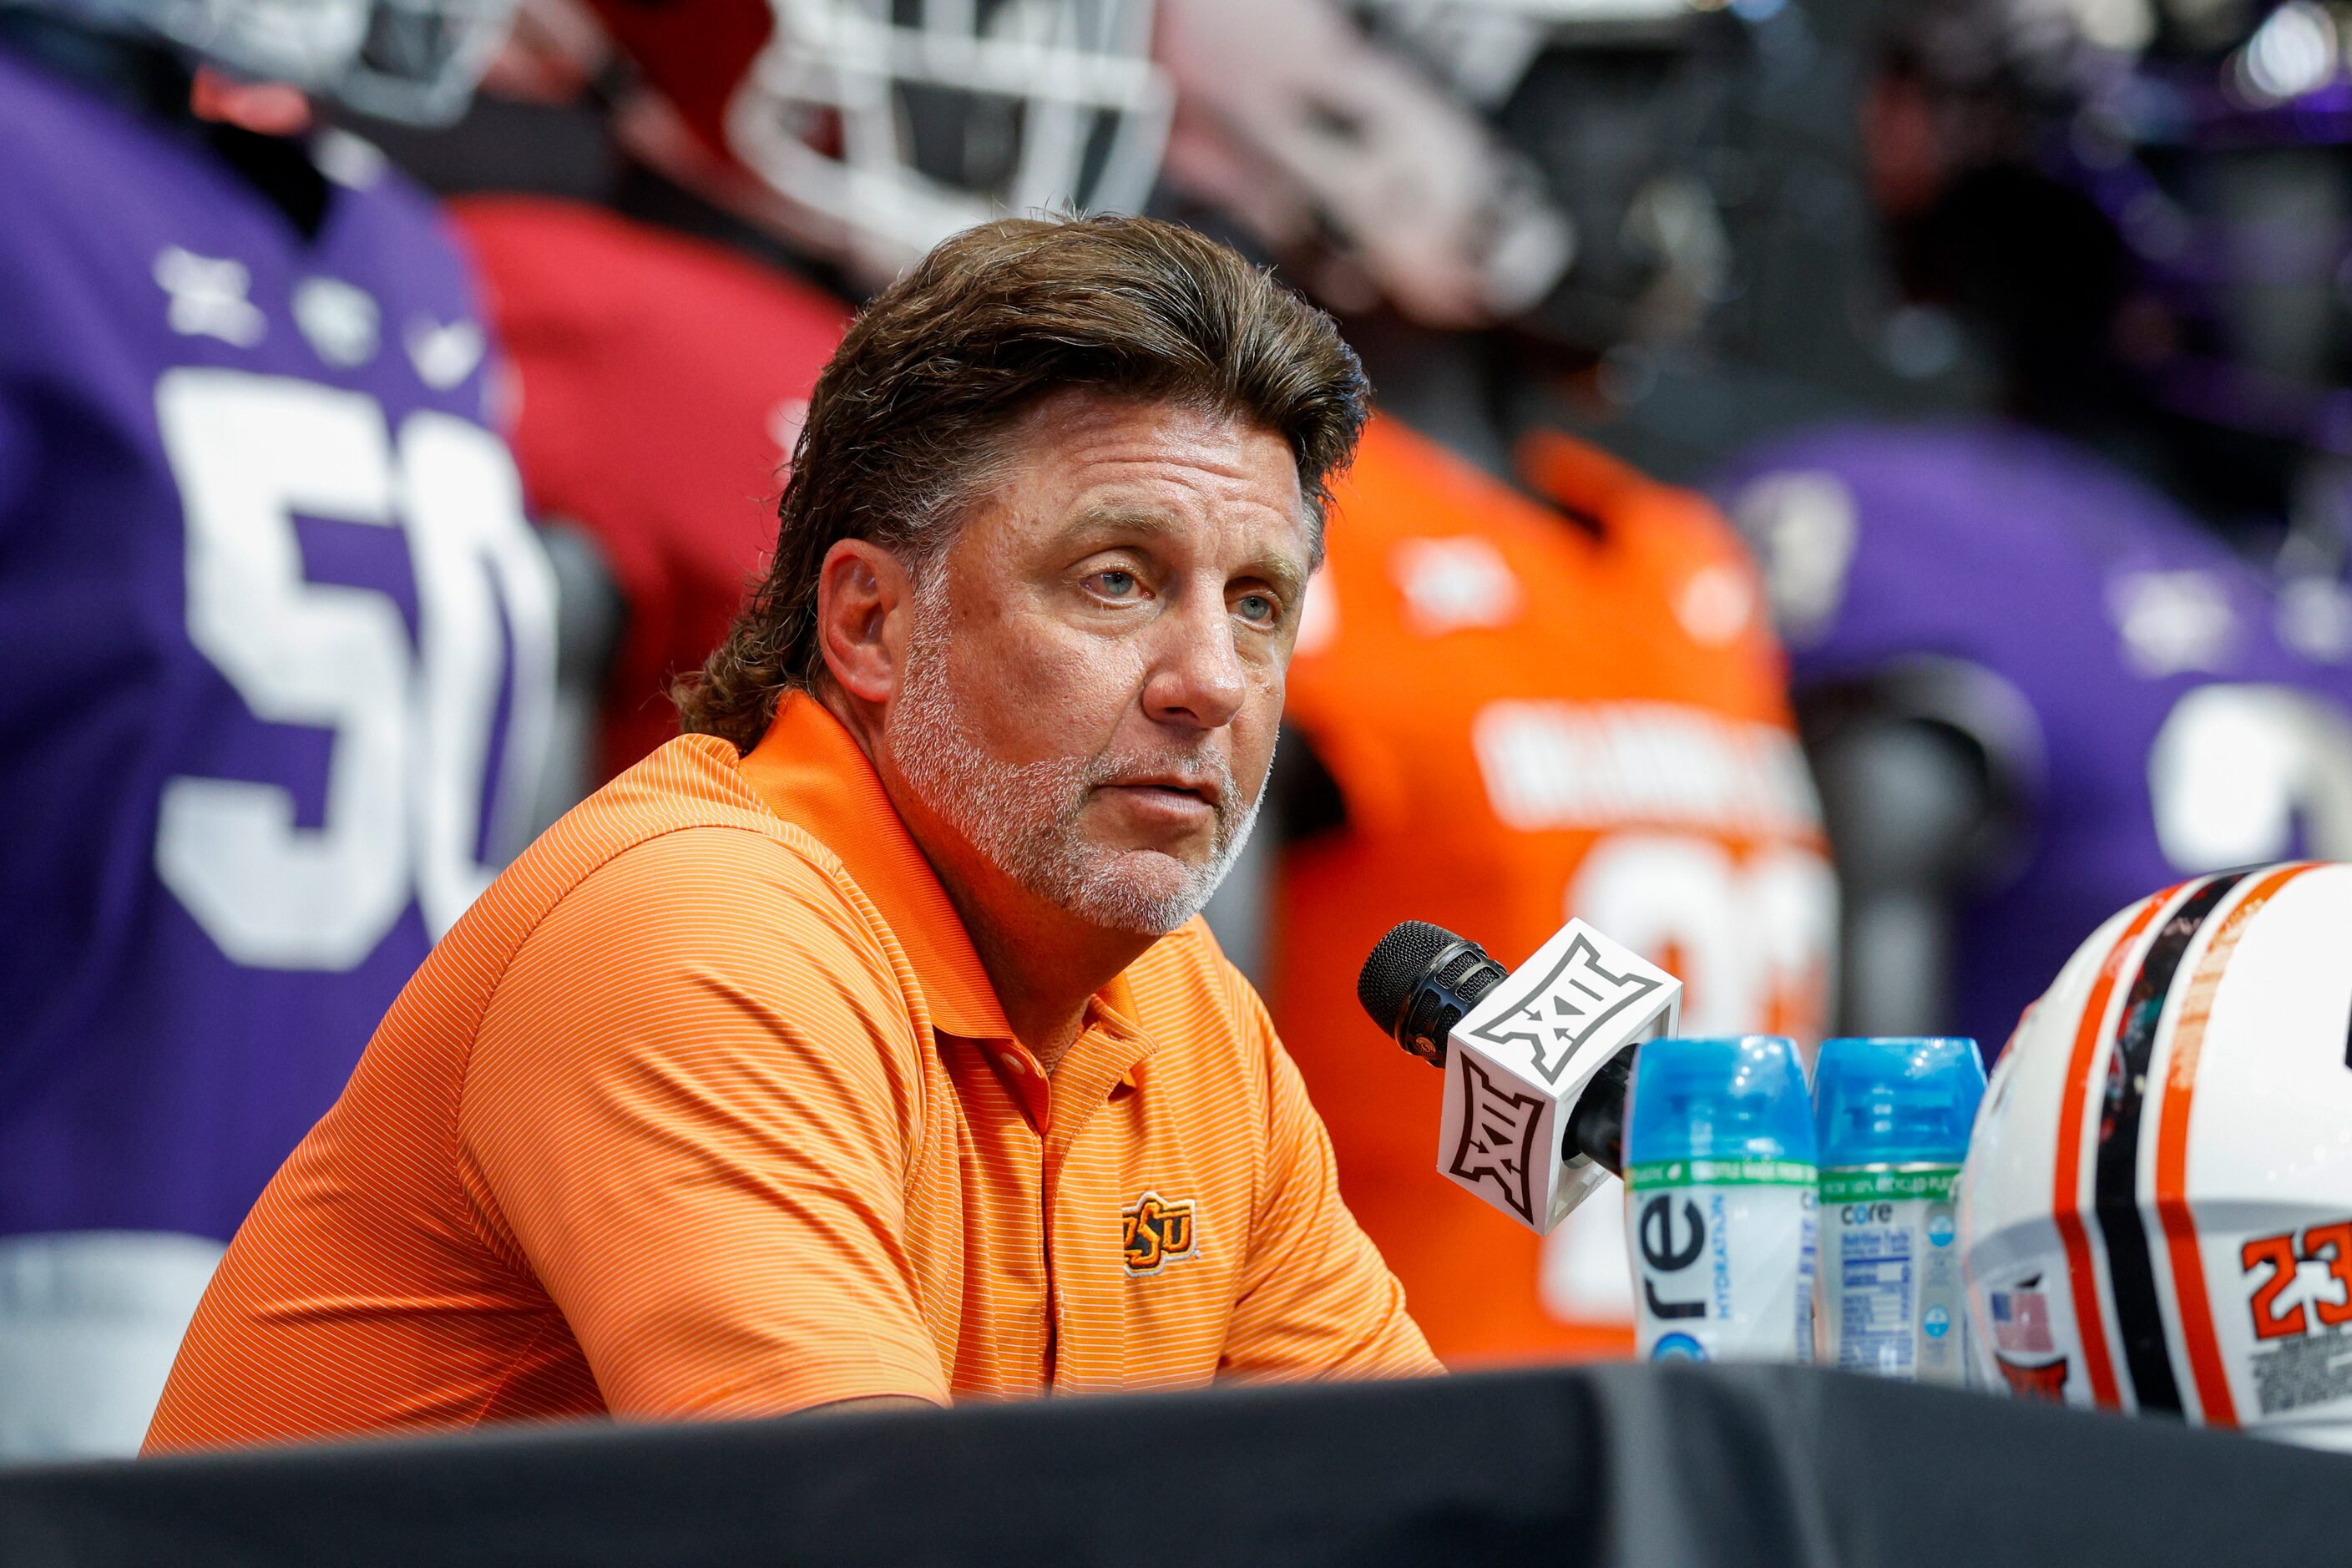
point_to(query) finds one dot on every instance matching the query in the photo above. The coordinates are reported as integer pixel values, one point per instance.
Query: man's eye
(1258, 609)
(1116, 585)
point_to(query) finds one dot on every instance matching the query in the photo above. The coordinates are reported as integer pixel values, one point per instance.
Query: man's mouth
(1206, 788)
(1171, 802)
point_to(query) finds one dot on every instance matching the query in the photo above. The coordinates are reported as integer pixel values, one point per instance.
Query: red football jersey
(663, 381)
(1528, 720)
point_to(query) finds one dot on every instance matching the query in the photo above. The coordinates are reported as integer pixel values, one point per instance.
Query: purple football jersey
(278, 642)
(2165, 708)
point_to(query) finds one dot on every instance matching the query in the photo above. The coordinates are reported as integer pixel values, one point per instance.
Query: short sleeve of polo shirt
(690, 1109)
(1316, 1299)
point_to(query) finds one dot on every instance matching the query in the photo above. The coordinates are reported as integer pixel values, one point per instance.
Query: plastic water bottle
(1893, 1118)
(1719, 1191)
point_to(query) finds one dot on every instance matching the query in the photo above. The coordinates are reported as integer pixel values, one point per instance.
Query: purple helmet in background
(2148, 199)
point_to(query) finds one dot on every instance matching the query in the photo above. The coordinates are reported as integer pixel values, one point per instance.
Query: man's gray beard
(1023, 817)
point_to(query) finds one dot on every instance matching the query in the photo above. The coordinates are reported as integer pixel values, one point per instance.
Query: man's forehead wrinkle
(1193, 482)
(1090, 428)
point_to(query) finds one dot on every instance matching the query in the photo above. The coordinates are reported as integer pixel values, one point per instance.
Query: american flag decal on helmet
(2021, 1320)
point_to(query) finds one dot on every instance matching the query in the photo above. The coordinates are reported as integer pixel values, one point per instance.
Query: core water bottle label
(1723, 1269)
(1940, 1182)
(1720, 1174)
(1891, 1286)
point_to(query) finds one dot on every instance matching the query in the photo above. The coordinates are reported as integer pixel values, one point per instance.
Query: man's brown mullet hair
(906, 428)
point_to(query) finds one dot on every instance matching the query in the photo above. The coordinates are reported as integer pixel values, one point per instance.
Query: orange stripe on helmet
(2197, 1330)
(2066, 1184)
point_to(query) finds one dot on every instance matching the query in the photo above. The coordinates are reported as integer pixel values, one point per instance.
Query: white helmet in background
(2156, 1209)
(1542, 162)
(421, 58)
(404, 59)
(868, 131)
(1292, 119)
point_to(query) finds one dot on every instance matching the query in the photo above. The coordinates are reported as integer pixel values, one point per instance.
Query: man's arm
(878, 1406)
(1315, 1299)
(691, 1106)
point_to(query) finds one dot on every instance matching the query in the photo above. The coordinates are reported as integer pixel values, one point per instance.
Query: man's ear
(864, 609)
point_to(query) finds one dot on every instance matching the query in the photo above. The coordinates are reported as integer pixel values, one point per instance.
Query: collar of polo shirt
(808, 758)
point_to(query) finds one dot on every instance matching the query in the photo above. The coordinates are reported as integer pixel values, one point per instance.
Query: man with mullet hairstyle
(863, 1043)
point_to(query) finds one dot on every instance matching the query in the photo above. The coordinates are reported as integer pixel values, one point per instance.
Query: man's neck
(1043, 971)
(1043, 963)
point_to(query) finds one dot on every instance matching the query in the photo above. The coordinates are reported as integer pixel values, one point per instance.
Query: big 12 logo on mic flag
(1520, 1059)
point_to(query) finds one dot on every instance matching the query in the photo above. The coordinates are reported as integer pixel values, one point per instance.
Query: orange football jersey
(1528, 716)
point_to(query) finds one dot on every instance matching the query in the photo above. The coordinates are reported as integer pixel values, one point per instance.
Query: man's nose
(1197, 677)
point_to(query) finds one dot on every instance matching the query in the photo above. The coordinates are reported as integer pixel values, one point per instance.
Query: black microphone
(1421, 980)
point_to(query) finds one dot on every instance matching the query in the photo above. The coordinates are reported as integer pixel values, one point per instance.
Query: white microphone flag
(1518, 1063)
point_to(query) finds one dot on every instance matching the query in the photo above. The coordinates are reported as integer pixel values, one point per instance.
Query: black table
(1605, 1465)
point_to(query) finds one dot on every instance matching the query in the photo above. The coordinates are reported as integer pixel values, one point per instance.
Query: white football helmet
(1292, 118)
(1470, 161)
(421, 58)
(2156, 1209)
(404, 59)
(871, 130)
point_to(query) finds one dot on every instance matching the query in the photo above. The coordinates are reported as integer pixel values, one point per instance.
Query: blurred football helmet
(404, 59)
(420, 58)
(2157, 1210)
(2212, 138)
(1472, 160)
(870, 130)
(1294, 121)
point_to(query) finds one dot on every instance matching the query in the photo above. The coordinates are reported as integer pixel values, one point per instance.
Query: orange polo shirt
(707, 1109)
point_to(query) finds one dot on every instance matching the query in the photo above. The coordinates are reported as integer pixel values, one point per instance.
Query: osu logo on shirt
(1155, 1231)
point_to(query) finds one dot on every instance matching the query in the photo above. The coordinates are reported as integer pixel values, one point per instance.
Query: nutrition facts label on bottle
(1873, 1312)
(1890, 1272)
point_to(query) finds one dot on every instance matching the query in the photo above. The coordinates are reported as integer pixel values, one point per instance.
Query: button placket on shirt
(1105, 1055)
(1029, 1085)
(1003, 1119)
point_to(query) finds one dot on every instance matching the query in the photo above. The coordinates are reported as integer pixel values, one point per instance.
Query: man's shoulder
(1189, 996)
(683, 840)
(668, 911)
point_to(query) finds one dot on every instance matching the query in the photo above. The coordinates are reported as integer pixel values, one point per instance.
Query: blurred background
(1758, 103)
(1858, 495)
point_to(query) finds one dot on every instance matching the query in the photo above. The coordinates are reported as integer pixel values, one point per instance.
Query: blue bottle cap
(1896, 1102)
(1738, 1099)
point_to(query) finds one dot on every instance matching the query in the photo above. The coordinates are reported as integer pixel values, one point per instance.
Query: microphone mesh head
(1396, 966)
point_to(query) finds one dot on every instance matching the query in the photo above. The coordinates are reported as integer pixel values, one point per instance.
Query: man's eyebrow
(1285, 574)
